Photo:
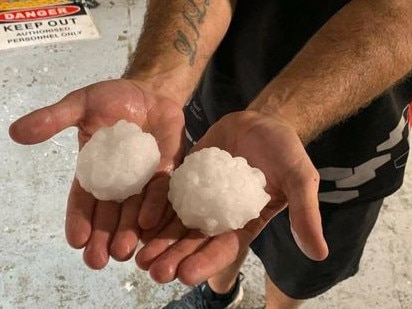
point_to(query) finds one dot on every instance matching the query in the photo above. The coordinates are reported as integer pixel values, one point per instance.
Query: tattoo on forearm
(186, 41)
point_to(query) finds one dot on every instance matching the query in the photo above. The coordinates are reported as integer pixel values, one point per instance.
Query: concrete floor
(37, 267)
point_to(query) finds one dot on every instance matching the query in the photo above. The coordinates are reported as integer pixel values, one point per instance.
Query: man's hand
(107, 228)
(273, 146)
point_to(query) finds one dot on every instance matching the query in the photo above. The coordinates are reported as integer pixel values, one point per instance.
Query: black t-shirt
(361, 159)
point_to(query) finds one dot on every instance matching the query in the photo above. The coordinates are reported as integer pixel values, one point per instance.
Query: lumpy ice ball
(214, 192)
(117, 162)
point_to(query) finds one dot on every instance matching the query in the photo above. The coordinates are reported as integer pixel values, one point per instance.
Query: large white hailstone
(117, 162)
(214, 192)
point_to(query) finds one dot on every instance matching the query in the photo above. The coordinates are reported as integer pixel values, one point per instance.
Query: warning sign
(45, 24)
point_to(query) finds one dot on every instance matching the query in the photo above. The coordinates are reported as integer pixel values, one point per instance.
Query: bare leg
(275, 299)
(225, 280)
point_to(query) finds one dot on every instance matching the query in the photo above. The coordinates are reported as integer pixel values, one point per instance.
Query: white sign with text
(46, 24)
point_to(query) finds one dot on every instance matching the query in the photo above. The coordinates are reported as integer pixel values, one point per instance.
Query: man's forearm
(358, 54)
(177, 41)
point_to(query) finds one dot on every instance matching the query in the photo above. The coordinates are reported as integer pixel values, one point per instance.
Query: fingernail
(299, 243)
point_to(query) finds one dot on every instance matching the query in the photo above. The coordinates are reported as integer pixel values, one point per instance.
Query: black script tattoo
(186, 41)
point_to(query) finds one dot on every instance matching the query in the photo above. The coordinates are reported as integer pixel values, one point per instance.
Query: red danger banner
(39, 13)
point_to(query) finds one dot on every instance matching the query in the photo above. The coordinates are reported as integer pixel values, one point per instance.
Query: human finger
(105, 220)
(147, 235)
(79, 214)
(222, 250)
(168, 236)
(126, 236)
(172, 151)
(216, 255)
(155, 202)
(164, 268)
(306, 223)
(43, 123)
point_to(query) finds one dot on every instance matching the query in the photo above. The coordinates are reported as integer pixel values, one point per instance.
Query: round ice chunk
(117, 162)
(214, 192)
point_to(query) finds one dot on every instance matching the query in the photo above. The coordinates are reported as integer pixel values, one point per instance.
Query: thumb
(43, 123)
(305, 219)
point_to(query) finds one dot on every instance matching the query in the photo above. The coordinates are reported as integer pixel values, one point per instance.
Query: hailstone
(215, 192)
(117, 162)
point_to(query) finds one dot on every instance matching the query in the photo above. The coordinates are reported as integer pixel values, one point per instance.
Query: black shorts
(346, 229)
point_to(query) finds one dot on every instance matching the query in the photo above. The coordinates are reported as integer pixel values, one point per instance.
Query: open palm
(107, 228)
(272, 145)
